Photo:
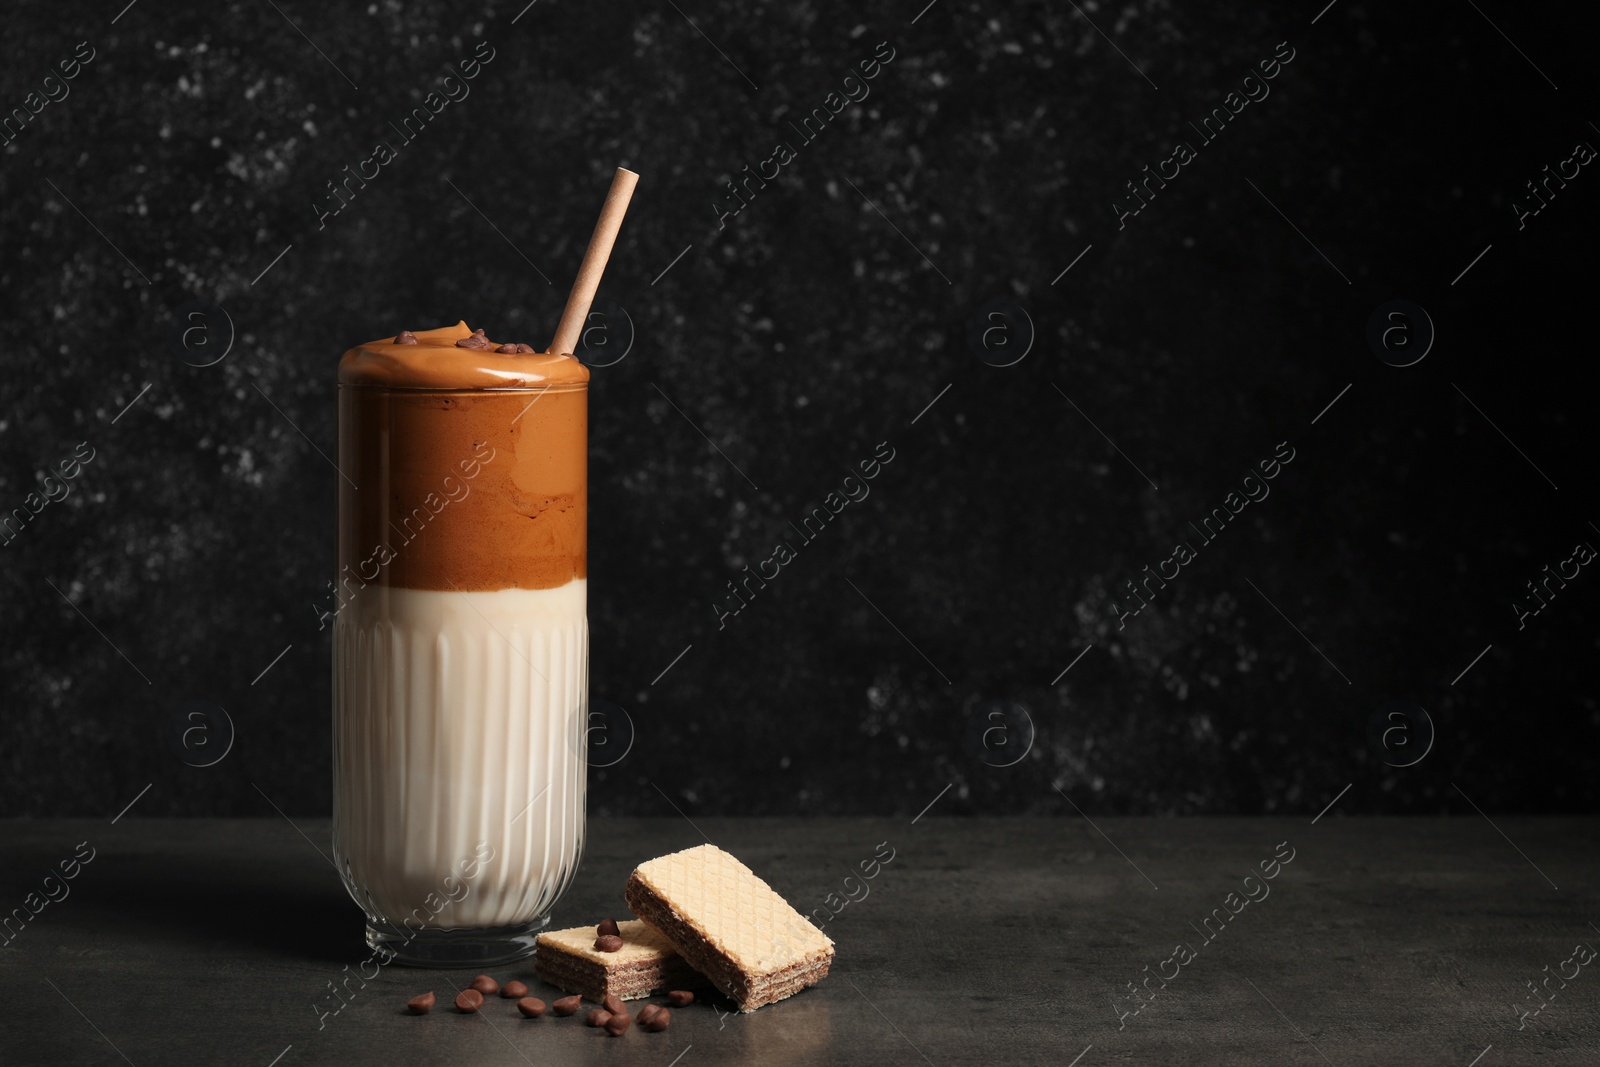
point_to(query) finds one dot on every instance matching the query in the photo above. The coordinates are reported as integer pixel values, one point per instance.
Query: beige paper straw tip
(594, 261)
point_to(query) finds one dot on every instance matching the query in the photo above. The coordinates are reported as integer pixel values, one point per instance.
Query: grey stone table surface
(1377, 941)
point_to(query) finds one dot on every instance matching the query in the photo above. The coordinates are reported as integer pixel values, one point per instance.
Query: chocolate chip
(531, 1007)
(608, 943)
(679, 997)
(525, 350)
(648, 1012)
(608, 926)
(568, 1005)
(597, 1017)
(513, 990)
(657, 1022)
(476, 341)
(613, 1004)
(405, 337)
(507, 350)
(618, 1025)
(422, 1004)
(484, 984)
(469, 1000)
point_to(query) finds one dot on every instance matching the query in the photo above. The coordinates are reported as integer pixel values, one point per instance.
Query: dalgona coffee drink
(460, 640)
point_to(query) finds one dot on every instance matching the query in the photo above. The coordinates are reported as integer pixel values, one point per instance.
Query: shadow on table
(174, 898)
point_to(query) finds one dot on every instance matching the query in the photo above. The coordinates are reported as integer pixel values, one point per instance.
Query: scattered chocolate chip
(608, 943)
(613, 1004)
(469, 1000)
(422, 1004)
(597, 1017)
(657, 1022)
(608, 926)
(405, 337)
(513, 990)
(568, 1005)
(507, 350)
(525, 350)
(648, 1012)
(484, 984)
(531, 1007)
(679, 997)
(476, 341)
(618, 1025)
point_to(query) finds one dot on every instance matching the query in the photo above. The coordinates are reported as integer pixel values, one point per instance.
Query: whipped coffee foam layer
(436, 362)
(472, 467)
(458, 734)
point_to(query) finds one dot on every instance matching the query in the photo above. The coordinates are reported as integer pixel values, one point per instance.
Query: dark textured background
(799, 338)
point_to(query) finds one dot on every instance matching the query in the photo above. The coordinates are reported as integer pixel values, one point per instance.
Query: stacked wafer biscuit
(730, 925)
(645, 963)
(701, 909)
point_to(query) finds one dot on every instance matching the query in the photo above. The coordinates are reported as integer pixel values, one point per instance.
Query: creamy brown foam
(472, 465)
(436, 362)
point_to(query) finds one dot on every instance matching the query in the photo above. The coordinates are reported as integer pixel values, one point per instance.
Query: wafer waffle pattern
(730, 925)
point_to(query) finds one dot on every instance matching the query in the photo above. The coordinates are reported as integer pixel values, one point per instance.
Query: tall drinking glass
(461, 643)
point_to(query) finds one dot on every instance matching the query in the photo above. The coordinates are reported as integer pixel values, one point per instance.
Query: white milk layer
(458, 746)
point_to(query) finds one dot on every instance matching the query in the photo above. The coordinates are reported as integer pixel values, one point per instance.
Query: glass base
(455, 948)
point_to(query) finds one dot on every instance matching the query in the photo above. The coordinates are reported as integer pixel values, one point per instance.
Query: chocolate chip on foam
(477, 341)
(405, 337)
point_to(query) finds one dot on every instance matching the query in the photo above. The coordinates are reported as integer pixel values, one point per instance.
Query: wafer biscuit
(729, 925)
(645, 963)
